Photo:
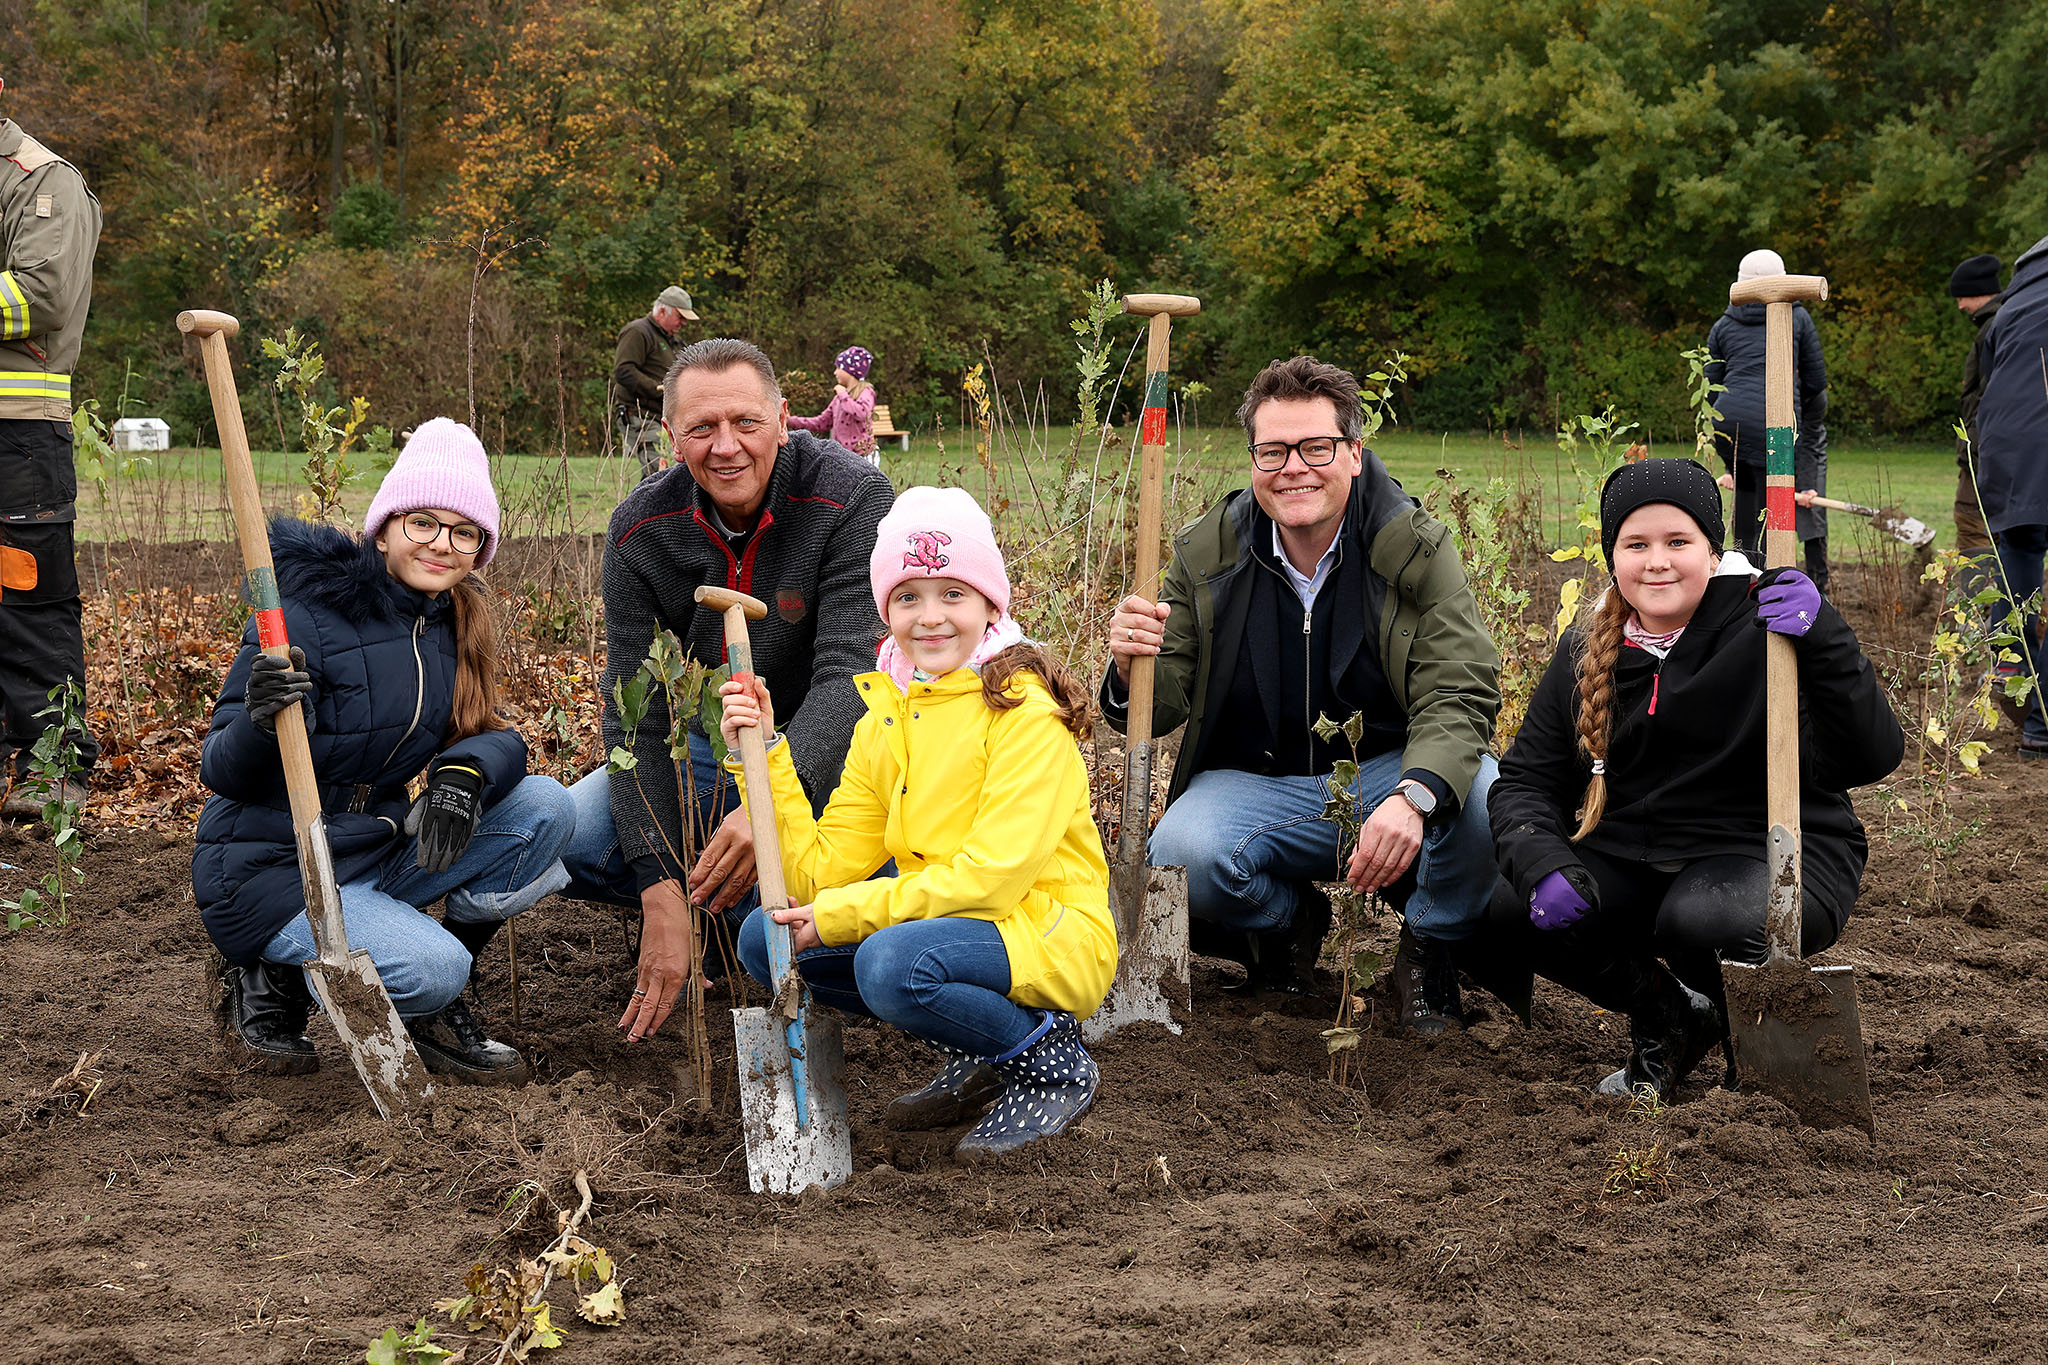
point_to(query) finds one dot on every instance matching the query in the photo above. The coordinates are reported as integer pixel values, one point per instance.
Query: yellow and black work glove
(274, 686)
(445, 815)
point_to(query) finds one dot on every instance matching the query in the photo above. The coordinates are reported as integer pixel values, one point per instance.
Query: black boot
(1427, 1001)
(1283, 961)
(1672, 1027)
(453, 1042)
(963, 1085)
(264, 1008)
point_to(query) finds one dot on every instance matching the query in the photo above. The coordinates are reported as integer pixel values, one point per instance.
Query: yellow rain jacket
(986, 814)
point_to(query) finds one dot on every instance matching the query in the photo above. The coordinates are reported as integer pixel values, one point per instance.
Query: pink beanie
(443, 466)
(938, 533)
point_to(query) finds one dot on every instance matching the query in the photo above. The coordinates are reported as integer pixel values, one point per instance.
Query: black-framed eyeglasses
(1316, 450)
(421, 529)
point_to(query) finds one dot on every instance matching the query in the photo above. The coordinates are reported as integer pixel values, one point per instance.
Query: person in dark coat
(1974, 286)
(1736, 345)
(1629, 816)
(394, 662)
(2012, 454)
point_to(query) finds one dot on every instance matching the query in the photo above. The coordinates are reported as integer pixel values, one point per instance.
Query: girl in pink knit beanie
(394, 670)
(994, 937)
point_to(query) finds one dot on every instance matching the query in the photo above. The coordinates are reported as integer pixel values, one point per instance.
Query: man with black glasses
(1325, 592)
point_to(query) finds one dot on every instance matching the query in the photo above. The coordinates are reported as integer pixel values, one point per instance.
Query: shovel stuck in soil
(1149, 904)
(791, 1061)
(1797, 1031)
(347, 984)
(1911, 530)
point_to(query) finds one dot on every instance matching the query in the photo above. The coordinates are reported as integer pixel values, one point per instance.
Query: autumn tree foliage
(1541, 201)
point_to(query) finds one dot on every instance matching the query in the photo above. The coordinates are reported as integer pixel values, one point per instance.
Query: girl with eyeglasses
(394, 663)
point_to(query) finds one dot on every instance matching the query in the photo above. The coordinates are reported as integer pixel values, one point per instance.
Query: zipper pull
(1306, 617)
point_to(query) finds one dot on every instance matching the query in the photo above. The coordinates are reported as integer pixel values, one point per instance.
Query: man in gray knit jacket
(778, 514)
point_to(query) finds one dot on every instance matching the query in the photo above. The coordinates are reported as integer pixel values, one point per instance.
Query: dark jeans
(42, 642)
(944, 980)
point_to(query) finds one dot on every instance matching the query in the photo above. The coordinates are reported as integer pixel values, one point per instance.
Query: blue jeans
(1251, 843)
(598, 870)
(512, 861)
(944, 980)
(2020, 552)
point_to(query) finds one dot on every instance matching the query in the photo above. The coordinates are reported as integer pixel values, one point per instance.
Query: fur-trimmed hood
(331, 569)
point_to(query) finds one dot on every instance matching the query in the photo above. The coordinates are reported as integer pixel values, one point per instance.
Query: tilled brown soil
(1222, 1202)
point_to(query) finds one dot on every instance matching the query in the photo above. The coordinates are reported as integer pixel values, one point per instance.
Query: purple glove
(1556, 903)
(1787, 602)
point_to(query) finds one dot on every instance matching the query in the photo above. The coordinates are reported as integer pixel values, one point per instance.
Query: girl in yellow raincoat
(995, 935)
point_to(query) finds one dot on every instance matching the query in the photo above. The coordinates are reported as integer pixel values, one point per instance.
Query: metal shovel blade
(792, 1103)
(1912, 530)
(353, 995)
(1799, 1039)
(1150, 909)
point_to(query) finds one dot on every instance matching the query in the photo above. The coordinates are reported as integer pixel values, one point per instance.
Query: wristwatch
(1418, 796)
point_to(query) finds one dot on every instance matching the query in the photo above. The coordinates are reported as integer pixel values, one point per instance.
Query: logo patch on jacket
(789, 605)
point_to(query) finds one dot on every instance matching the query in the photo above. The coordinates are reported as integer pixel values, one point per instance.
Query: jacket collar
(10, 137)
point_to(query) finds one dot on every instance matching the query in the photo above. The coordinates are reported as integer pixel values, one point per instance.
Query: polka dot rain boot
(961, 1088)
(1050, 1082)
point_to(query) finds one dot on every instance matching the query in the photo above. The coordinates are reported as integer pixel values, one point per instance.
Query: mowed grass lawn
(181, 495)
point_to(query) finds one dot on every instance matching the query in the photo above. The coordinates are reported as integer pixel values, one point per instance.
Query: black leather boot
(1427, 1001)
(1672, 1027)
(1283, 961)
(264, 1008)
(453, 1042)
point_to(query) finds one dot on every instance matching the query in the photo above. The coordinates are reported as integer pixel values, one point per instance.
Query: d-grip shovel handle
(259, 584)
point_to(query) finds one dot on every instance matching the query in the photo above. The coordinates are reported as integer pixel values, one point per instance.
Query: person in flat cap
(646, 348)
(1974, 287)
(1629, 816)
(1736, 345)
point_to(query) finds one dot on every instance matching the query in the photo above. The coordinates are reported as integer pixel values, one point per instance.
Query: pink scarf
(997, 638)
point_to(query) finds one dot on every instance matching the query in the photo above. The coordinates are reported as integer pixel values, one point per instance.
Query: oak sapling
(55, 769)
(1355, 910)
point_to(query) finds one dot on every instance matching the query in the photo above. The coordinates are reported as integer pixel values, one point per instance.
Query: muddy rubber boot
(263, 1016)
(963, 1086)
(1672, 1027)
(1426, 997)
(1049, 1081)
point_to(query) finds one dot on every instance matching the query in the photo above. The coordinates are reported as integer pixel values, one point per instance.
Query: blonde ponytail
(1600, 647)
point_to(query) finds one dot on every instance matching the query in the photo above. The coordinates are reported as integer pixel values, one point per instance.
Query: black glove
(273, 686)
(445, 815)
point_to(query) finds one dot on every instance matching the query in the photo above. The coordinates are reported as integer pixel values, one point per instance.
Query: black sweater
(1686, 758)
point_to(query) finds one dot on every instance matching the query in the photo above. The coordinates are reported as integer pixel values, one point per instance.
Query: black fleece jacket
(1685, 761)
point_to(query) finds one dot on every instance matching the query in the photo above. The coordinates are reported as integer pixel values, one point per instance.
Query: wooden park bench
(885, 430)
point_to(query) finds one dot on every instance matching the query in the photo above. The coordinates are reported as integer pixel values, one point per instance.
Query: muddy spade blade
(1912, 530)
(792, 1101)
(351, 992)
(1150, 908)
(1797, 1031)
(1799, 1039)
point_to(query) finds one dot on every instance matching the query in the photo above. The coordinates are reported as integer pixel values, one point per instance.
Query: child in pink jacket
(849, 418)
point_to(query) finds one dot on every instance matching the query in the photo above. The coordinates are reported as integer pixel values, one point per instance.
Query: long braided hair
(1599, 648)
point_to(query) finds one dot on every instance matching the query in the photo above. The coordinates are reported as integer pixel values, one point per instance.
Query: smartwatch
(1418, 796)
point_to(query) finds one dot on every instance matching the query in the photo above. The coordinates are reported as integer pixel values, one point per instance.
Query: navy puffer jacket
(1736, 344)
(382, 658)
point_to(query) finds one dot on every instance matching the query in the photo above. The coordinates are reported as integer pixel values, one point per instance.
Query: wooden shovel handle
(259, 576)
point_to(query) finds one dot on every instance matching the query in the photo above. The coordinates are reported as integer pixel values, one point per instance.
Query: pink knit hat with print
(937, 533)
(443, 466)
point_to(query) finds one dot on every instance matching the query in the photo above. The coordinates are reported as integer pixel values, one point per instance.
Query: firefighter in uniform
(49, 228)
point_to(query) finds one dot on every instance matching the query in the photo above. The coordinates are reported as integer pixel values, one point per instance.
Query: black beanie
(1685, 484)
(1975, 278)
